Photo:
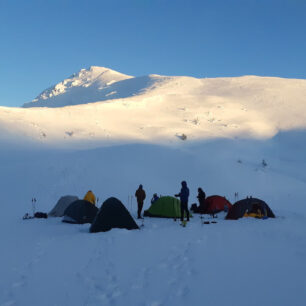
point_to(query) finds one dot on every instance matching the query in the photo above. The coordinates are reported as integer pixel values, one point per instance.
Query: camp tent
(216, 204)
(112, 214)
(80, 212)
(61, 205)
(213, 204)
(165, 207)
(249, 204)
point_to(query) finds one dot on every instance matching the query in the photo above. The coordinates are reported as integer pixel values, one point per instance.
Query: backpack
(41, 215)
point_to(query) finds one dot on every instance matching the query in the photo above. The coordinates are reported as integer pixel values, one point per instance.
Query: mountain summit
(87, 85)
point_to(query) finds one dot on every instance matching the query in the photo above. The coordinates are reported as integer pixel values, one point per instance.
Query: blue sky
(43, 42)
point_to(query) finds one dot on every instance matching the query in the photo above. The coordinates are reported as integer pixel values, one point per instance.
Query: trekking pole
(33, 205)
(131, 205)
(174, 209)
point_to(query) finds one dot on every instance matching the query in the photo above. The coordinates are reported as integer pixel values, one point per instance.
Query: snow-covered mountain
(93, 85)
(157, 109)
(88, 85)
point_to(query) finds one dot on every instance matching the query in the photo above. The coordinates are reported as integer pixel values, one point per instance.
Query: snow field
(132, 134)
(254, 262)
(161, 264)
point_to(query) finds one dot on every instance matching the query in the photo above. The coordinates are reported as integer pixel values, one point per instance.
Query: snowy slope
(231, 124)
(159, 109)
(51, 263)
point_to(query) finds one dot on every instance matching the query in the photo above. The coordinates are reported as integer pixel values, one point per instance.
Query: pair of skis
(207, 221)
(183, 223)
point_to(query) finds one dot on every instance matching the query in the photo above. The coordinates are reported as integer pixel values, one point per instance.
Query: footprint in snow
(15, 286)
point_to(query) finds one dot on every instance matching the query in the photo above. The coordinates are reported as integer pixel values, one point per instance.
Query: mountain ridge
(158, 109)
(97, 84)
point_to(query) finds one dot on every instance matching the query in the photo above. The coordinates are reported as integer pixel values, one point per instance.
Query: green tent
(165, 207)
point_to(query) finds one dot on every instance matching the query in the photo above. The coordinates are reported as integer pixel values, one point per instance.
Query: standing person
(140, 195)
(184, 195)
(201, 197)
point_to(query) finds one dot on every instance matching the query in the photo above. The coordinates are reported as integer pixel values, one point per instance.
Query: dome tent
(80, 212)
(165, 207)
(216, 204)
(112, 214)
(61, 205)
(247, 205)
(213, 204)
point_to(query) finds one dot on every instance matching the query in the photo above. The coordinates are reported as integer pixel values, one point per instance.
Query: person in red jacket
(140, 195)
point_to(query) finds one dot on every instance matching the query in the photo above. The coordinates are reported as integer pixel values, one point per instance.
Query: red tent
(216, 203)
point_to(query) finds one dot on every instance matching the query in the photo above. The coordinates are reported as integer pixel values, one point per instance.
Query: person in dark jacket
(201, 197)
(184, 195)
(140, 195)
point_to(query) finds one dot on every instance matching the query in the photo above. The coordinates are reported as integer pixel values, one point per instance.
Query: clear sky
(44, 42)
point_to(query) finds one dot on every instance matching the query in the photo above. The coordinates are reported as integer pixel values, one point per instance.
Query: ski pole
(174, 210)
(33, 205)
(132, 199)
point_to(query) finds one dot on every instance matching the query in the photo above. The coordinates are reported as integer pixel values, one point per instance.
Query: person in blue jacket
(154, 198)
(184, 195)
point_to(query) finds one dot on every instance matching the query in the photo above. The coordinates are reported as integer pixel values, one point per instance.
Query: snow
(156, 108)
(80, 85)
(163, 263)
(112, 146)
